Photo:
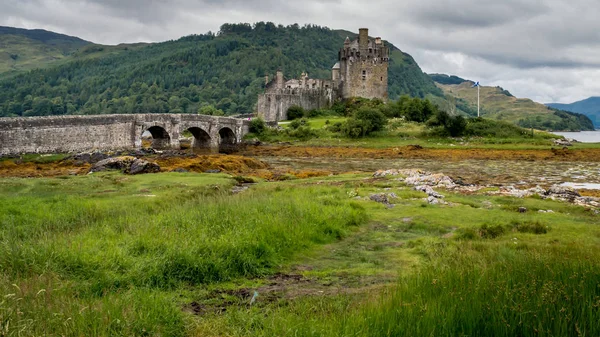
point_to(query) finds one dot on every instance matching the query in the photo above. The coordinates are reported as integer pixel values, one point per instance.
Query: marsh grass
(98, 255)
(540, 292)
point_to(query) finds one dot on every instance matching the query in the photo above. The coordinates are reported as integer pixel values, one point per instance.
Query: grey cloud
(544, 48)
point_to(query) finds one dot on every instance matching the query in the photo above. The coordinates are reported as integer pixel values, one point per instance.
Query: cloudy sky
(547, 50)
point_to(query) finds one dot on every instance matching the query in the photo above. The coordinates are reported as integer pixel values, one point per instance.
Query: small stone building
(361, 71)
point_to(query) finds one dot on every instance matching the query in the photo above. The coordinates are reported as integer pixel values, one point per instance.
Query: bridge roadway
(62, 134)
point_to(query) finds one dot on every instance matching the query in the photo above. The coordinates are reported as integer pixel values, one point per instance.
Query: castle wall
(273, 105)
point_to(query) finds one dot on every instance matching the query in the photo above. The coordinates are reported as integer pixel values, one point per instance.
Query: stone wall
(274, 104)
(59, 134)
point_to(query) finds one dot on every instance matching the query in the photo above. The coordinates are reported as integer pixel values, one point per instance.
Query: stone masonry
(60, 134)
(361, 71)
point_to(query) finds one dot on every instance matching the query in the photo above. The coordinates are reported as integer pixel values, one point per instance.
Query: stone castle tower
(363, 67)
(361, 71)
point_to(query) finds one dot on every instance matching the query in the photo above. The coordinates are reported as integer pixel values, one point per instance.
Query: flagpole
(478, 101)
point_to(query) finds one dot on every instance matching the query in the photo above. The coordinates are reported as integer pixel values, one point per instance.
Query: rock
(433, 200)
(381, 198)
(117, 163)
(140, 166)
(383, 173)
(239, 189)
(180, 170)
(126, 164)
(212, 171)
(562, 192)
(562, 142)
(417, 177)
(393, 195)
(522, 210)
(430, 192)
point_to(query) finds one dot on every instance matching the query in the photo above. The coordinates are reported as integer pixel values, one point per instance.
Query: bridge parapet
(57, 134)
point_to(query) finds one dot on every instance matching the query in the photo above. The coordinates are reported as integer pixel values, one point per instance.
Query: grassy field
(400, 133)
(180, 255)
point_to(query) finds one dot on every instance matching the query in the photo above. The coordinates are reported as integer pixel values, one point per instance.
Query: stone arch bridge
(60, 134)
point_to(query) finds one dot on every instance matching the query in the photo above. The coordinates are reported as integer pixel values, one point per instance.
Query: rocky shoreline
(426, 182)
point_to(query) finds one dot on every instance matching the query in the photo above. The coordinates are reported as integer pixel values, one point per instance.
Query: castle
(361, 71)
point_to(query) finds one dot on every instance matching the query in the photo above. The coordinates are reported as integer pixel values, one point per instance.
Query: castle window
(370, 50)
(364, 75)
(382, 79)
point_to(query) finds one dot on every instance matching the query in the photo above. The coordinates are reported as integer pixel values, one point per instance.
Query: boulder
(126, 164)
(429, 190)
(381, 198)
(140, 166)
(562, 192)
(562, 142)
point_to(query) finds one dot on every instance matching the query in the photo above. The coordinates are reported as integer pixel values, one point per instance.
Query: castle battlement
(361, 71)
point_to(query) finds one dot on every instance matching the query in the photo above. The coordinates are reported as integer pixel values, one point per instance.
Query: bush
(481, 127)
(296, 123)
(374, 117)
(533, 227)
(491, 231)
(257, 126)
(295, 112)
(365, 121)
(302, 133)
(335, 127)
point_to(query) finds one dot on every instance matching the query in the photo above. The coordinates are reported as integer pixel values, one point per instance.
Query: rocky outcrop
(426, 182)
(126, 164)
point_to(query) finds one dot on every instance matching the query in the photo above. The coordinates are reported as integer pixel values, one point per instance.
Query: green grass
(108, 255)
(101, 251)
(401, 133)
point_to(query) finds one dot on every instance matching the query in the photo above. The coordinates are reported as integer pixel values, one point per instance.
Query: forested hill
(23, 49)
(225, 70)
(589, 107)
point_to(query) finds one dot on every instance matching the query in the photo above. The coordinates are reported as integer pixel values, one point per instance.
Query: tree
(210, 111)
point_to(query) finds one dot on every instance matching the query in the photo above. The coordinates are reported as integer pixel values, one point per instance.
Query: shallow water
(583, 136)
(578, 186)
(469, 171)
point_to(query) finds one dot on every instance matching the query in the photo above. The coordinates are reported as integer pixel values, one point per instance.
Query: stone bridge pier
(59, 134)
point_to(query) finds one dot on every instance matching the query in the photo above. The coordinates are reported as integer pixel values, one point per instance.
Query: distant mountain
(225, 70)
(589, 107)
(500, 104)
(24, 49)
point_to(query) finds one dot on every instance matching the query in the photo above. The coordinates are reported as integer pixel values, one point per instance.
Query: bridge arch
(160, 137)
(202, 139)
(227, 139)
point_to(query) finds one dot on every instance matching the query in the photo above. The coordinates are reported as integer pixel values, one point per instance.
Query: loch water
(583, 136)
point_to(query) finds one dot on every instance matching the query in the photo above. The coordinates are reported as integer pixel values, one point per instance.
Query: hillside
(225, 70)
(23, 49)
(499, 104)
(589, 107)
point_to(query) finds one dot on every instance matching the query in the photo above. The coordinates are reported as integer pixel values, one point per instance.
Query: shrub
(533, 227)
(481, 127)
(335, 127)
(374, 117)
(491, 231)
(295, 112)
(257, 126)
(303, 133)
(296, 123)
(453, 126)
